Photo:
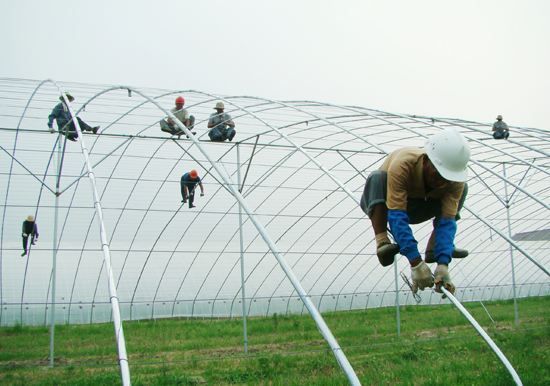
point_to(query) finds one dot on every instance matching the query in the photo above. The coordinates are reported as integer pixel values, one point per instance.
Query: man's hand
(25, 235)
(442, 278)
(421, 277)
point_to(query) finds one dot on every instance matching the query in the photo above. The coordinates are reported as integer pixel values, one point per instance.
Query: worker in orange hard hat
(169, 125)
(188, 183)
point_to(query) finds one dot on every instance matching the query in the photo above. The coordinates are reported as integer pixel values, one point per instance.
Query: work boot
(24, 253)
(95, 129)
(386, 253)
(457, 254)
(191, 206)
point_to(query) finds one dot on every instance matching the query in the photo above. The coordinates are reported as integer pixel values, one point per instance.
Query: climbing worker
(29, 229)
(168, 125)
(188, 183)
(414, 185)
(221, 125)
(64, 120)
(500, 129)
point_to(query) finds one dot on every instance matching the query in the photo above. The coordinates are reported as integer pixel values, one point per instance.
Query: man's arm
(54, 115)
(228, 121)
(202, 188)
(398, 217)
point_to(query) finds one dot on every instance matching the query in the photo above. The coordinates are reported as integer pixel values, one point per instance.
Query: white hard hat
(219, 105)
(449, 152)
(30, 217)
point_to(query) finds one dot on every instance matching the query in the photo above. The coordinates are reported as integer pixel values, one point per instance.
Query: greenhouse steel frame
(299, 184)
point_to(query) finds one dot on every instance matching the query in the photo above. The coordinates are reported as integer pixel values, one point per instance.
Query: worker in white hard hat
(500, 129)
(221, 125)
(414, 185)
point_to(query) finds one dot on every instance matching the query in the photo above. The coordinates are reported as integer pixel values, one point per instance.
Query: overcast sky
(465, 59)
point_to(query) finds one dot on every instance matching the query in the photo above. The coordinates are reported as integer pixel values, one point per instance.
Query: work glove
(25, 235)
(442, 278)
(421, 277)
(52, 130)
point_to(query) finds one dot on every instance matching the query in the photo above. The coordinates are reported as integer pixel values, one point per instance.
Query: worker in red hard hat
(188, 183)
(169, 125)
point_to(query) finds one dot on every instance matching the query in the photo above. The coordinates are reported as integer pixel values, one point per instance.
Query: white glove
(442, 277)
(421, 277)
(25, 235)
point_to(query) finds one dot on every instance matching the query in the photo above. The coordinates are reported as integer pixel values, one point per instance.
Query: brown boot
(457, 254)
(386, 253)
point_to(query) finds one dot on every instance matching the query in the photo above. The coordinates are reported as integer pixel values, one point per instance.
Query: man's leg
(25, 243)
(182, 190)
(164, 126)
(373, 203)
(85, 127)
(70, 131)
(215, 135)
(231, 133)
(191, 197)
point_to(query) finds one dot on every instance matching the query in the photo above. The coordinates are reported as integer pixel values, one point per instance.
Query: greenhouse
(279, 229)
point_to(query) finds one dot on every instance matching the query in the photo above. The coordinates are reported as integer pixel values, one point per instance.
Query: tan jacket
(405, 179)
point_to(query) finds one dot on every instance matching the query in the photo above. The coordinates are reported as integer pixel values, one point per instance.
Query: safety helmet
(220, 106)
(193, 173)
(68, 96)
(180, 100)
(30, 217)
(499, 117)
(449, 152)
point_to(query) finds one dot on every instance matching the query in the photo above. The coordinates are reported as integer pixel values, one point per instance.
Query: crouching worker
(29, 229)
(221, 125)
(65, 122)
(188, 183)
(169, 126)
(414, 185)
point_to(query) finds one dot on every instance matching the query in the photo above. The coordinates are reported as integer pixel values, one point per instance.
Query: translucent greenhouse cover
(300, 167)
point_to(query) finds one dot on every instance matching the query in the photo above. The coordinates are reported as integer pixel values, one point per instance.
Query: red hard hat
(193, 173)
(180, 100)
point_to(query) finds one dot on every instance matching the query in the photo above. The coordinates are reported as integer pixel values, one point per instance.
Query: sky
(464, 59)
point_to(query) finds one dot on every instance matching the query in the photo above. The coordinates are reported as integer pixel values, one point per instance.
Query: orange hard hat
(180, 100)
(193, 173)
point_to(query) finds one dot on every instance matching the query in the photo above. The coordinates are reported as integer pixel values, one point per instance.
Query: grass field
(437, 347)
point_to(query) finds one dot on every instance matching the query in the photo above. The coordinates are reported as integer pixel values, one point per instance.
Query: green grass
(437, 347)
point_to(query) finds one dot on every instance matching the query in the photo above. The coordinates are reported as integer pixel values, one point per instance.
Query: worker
(29, 229)
(188, 183)
(414, 185)
(169, 125)
(500, 129)
(64, 120)
(221, 125)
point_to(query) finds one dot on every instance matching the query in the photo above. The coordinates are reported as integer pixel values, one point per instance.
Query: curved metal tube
(485, 336)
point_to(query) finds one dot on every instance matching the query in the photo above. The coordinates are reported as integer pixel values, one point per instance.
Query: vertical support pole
(243, 294)
(507, 201)
(397, 312)
(54, 254)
